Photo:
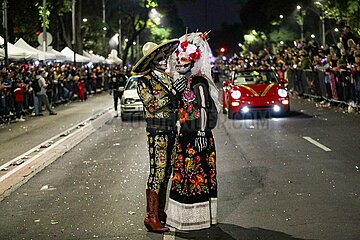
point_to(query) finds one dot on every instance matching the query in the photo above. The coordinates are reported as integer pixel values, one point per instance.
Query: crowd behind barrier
(330, 73)
(64, 83)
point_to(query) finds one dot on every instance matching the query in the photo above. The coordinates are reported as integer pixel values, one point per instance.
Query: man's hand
(201, 141)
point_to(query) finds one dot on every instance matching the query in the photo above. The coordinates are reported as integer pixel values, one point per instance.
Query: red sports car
(255, 90)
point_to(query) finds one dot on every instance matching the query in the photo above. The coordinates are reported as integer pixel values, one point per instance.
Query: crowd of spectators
(329, 72)
(25, 89)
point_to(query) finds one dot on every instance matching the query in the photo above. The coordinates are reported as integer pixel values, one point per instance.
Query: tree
(343, 12)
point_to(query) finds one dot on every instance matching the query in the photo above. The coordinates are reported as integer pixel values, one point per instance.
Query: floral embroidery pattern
(189, 109)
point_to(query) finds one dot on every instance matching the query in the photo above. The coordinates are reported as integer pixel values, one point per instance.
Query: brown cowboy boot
(151, 221)
(162, 202)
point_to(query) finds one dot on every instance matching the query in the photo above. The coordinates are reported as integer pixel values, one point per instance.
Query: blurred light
(235, 104)
(281, 42)
(285, 102)
(85, 19)
(245, 109)
(281, 16)
(336, 30)
(282, 93)
(312, 36)
(222, 50)
(126, 40)
(104, 28)
(236, 94)
(37, 63)
(91, 51)
(134, 43)
(298, 7)
(276, 108)
(240, 45)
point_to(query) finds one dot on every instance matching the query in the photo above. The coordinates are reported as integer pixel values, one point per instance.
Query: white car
(131, 105)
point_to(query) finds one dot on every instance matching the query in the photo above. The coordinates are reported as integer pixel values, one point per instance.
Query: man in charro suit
(159, 94)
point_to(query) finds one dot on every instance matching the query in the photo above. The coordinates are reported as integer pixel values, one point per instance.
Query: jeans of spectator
(37, 104)
(18, 109)
(43, 98)
(65, 93)
(117, 96)
(299, 81)
(291, 79)
(3, 105)
(357, 89)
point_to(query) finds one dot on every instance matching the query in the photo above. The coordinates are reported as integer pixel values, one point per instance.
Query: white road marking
(170, 235)
(316, 143)
(85, 123)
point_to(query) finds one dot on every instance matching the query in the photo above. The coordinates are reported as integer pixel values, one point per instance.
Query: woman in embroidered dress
(193, 194)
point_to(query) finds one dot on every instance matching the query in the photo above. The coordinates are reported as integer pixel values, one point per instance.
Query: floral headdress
(191, 48)
(194, 48)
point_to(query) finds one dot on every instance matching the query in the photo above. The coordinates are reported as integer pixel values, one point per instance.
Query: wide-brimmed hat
(151, 50)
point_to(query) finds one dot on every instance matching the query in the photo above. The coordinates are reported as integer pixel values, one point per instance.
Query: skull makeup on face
(186, 55)
(160, 61)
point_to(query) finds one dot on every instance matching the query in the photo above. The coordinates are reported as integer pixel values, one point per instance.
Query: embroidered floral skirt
(193, 194)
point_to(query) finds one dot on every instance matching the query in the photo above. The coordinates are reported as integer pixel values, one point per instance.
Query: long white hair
(196, 42)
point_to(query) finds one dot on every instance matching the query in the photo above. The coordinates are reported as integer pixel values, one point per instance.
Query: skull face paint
(186, 55)
(160, 61)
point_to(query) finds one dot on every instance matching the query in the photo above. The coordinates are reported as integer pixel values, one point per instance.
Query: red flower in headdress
(184, 45)
(195, 55)
(203, 35)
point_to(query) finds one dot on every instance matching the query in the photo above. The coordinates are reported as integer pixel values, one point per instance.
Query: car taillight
(236, 94)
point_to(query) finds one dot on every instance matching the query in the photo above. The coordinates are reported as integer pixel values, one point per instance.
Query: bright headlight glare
(245, 109)
(236, 94)
(276, 108)
(282, 93)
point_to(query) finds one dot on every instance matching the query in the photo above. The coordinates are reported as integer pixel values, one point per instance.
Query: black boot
(162, 202)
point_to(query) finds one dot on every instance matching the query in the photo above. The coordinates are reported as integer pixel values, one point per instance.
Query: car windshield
(132, 84)
(255, 77)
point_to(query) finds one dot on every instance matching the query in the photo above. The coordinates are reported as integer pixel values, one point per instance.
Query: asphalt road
(279, 178)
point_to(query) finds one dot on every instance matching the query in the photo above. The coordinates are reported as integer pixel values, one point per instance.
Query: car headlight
(129, 101)
(282, 93)
(236, 94)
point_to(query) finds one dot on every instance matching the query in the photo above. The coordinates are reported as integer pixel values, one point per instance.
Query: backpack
(35, 85)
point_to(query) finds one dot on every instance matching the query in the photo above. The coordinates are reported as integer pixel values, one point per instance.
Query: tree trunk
(79, 36)
(66, 35)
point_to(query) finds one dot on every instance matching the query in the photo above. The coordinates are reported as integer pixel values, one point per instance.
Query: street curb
(22, 173)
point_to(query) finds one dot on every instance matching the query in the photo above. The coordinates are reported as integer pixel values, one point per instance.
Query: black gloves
(179, 86)
(201, 141)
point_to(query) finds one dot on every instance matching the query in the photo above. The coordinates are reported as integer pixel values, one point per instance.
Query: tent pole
(6, 33)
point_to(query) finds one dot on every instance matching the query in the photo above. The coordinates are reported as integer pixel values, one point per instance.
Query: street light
(85, 20)
(336, 30)
(281, 16)
(302, 13)
(312, 36)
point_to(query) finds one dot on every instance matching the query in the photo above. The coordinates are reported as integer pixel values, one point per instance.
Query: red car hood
(258, 90)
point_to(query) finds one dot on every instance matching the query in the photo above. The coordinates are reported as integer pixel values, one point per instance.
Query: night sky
(205, 15)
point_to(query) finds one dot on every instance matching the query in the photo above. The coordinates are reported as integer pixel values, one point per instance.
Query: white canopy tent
(113, 58)
(59, 56)
(70, 56)
(94, 57)
(40, 54)
(15, 53)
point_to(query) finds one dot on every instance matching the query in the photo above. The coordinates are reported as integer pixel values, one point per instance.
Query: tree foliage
(343, 12)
